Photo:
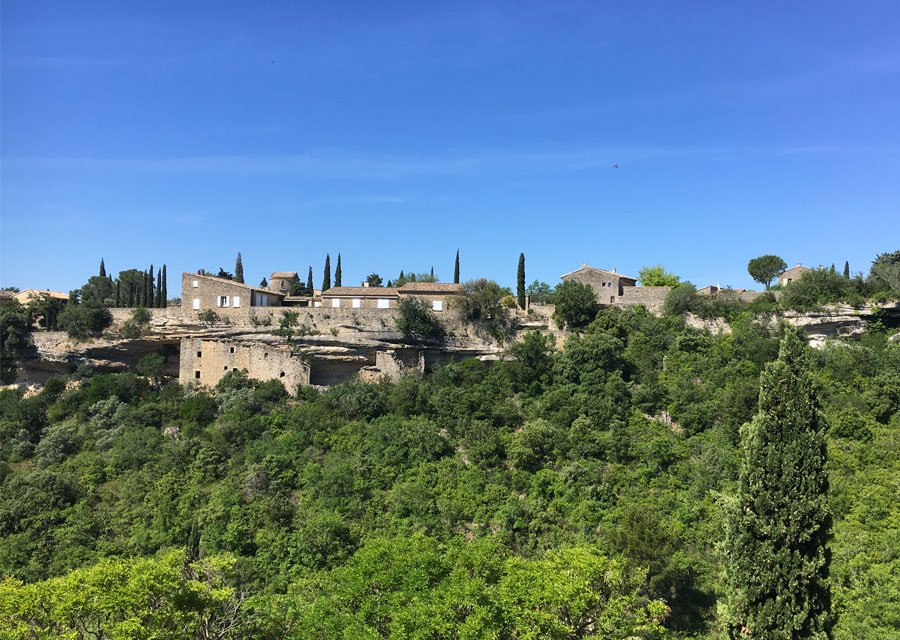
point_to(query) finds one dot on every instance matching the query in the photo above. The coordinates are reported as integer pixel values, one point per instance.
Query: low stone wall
(122, 314)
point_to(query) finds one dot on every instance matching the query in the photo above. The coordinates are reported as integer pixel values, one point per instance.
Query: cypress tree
(432, 271)
(776, 558)
(239, 269)
(309, 282)
(337, 272)
(520, 282)
(456, 269)
(165, 290)
(102, 269)
(326, 278)
(150, 289)
(156, 300)
(847, 269)
(192, 551)
(118, 300)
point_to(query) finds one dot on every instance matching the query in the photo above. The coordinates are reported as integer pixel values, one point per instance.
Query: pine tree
(776, 558)
(239, 269)
(520, 282)
(456, 269)
(847, 269)
(165, 290)
(309, 282)
(337, 272)
(326, 278)
(102, 269)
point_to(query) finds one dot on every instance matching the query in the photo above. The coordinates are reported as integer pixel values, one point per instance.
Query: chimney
(799, 265)
(201, 272)
(718, 285)
(614, 269)
(365, 284)
(584, 265)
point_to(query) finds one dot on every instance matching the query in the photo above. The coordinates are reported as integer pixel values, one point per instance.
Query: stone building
(282, 281)
(364, 297)
(436, 294)
(229, 299)
(206, 361)
(792, 275)
(32, 294)
(608, 285)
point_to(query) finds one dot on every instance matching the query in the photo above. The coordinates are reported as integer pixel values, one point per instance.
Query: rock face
(840, 321)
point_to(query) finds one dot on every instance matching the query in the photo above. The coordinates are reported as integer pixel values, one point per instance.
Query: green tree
(374, 280)
(764, 269)
(337, 272)
(415, 319)
(100, 289)
(224, 274)
(483, 299)
(263, 284)
(15, 337)
(118, 294)
(456, 269)
(149, 299)
(847, 269)
(576, 304)
(540, 292)
(777, 531)
(102, 269)
(164, 298)
(326, 277)
(152, 366)
(309, 281)
(657, 276)
(157, 300)
(82, 320)
(885, 271)
(520, 282)
(239, 269)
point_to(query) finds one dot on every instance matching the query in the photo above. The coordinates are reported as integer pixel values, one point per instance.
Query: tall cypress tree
(337, 272)
(456, 269)
(148, 301)
(520, 282)
(777, 561)
(156, 299)
(239, 269)
(326, 278)
(165, 290)
(102, 269)
(309, 282)
(847, 269)
(118, 300)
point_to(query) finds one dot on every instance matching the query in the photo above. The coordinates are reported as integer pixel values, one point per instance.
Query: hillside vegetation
(557, 494)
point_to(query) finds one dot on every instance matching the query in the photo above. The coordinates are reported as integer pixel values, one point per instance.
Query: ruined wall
(206, 361)
(651, 297)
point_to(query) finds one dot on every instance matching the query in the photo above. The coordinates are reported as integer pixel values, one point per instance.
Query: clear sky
(397, 132)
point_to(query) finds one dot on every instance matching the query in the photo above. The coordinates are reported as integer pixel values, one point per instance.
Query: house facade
(364, 297)
(229, 299)
(437, 295)
(608, 285)
(792, 275)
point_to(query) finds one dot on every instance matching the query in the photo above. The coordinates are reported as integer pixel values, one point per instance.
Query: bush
(576, 304)
(208, 317)
(140, 315)
(680, 300)
(416, 319)
(819, 287)
(508, 302)
(82, 320)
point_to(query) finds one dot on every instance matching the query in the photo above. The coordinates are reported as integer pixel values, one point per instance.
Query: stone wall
(651, 297)
(206, 361)
(121, 314)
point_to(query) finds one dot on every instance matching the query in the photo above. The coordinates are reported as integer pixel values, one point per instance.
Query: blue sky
(395, 133)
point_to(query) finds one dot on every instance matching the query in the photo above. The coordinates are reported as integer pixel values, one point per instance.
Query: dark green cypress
(432, 271)
(192, 551)
(150, 289)
(102, 269)
(777, 531)
(143, 290)
(156, 299)
(520, 282)
(337, 272)
(239, 269)
(326, 278)
(847, 269)
(456, 269)
(165, 289)
(118, 300)
(309, 282)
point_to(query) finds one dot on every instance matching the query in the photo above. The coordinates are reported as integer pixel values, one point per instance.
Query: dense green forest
(555, 494)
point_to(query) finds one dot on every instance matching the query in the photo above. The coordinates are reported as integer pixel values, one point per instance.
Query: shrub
(140, 315)
(680, 299)
(208, 317)
(82, 320)
(416, 319)
(508, 302)
(576, 304)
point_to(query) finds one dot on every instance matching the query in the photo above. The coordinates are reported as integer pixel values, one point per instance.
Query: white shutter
(196, 303)
(384, 303)
(335, 303)
(356, 303)
(237, 302)
(437, 305)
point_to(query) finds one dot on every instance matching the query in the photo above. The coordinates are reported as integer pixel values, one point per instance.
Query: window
(384, 303)
(612, 299)
(237, 302)
(356, 303)
(196, 284)
(223, 301)
(199, 353)
(231, 350)
(335, 303)
(196, 303)
(317, 304)
(437, 305)
(196, 375)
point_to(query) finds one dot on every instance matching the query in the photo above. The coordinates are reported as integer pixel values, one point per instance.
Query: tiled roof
(367, 292)
(432, 287)
(283, 274)
(603, 271)
(30, 294)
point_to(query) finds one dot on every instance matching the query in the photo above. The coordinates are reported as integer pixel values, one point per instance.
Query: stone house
(364, 297)
(608, 285)
(436, 294)
(282, 281)
(206, 361)
(229, 299)
(32, 294)
(792, 275)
